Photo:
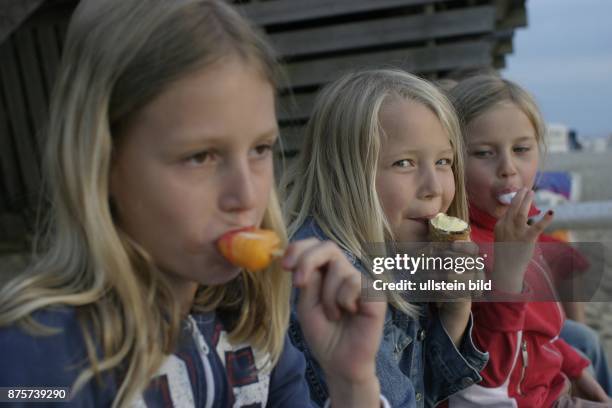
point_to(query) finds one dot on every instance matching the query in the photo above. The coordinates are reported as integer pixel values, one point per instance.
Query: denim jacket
(417, 364)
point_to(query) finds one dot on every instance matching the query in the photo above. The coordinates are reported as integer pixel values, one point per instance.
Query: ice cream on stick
(250, 248)
(444, 228)
(506, 198)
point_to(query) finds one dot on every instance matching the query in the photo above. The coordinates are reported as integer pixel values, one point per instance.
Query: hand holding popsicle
(341, 329)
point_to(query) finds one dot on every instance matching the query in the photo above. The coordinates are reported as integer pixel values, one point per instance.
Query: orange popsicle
(250, 248)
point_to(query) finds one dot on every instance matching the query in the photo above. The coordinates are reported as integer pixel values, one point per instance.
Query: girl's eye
(482, 153)
(445, 162)
(404, 163)
(522, 149)
(262, 150)
(199, 158)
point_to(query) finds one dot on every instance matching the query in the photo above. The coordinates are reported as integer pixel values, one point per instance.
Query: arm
(573, 362)
(342, 330)
(497, 329)
(584, 385)
(450, 368)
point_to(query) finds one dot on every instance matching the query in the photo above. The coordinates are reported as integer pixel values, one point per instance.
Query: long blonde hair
(333, 179)
(120, 54)
(475, 95)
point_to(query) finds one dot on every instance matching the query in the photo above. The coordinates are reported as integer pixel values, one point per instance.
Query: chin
(218, 275)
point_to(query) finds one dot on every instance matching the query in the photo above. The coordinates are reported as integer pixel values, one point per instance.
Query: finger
(537, 228)
(349, 292)
(465, 247)
(313, 258)
(516, 202)
(310, 295)
(507, 219)
(333, 279)
(523, 213)
(294, 250)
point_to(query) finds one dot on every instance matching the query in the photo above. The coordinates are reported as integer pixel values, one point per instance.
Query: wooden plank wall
(316, 39)
(319, 40)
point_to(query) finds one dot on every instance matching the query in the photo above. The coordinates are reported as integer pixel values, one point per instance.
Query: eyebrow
(198, 138)
(415, 152)
(484, 142)
(272, 133)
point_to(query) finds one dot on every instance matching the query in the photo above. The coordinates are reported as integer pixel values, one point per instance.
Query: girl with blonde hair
(160, 141)
(530, 365)
(382, 155)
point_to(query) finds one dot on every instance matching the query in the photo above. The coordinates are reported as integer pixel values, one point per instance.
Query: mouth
(505, 196)
(422, 220)
(230, 232)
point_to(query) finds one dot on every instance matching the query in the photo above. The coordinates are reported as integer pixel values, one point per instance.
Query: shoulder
(45, 360)
(309, 229)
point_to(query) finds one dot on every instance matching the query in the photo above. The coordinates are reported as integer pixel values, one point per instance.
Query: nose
(506, 166)
(238, 190)
(430, 186)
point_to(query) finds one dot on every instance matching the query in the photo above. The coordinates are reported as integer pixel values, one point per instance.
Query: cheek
(265, 183)
(529, 172)
(391, 196)
(476, 175)
(448, 190)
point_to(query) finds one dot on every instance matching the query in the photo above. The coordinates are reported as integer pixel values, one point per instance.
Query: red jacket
(528, 363)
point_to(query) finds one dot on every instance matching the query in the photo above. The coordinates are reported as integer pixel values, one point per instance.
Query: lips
(505, 196)
(233, 231)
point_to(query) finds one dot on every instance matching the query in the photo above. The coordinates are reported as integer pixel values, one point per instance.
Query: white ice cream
(447, 223)
(506, 198)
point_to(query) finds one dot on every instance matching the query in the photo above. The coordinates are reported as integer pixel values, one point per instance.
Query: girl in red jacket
(529, 366)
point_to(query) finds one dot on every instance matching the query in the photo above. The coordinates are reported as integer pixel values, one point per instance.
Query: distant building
(557, 138)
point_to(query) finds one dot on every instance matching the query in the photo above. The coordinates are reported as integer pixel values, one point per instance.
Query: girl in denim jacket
(382, 155)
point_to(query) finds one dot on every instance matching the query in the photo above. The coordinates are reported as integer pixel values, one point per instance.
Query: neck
(184, 292)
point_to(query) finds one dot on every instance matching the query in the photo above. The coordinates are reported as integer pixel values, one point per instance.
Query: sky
(564, 58)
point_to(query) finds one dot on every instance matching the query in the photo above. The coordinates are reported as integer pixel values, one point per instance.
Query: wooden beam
(504, 46)
(501, 7)
(517, 17)
(499, 61)
(19, 129)
(50, 55)
(438, 58)
(13, 13)
(12, 232)
(33, 85)
(382, 32)
(292, 137)
(284, 12)
(9, 167)
(295, 106)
